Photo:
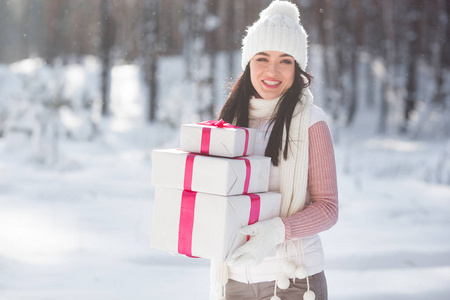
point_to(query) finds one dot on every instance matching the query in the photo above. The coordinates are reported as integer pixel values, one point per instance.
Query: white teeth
(271, 82)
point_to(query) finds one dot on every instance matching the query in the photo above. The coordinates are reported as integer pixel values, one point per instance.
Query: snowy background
(76, 200)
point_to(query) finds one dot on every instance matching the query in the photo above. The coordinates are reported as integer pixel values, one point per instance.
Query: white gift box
(210, 174)
(218, 141)
(213, 221)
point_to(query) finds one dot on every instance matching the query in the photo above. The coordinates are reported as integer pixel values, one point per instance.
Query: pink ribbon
(206, 139)
(186, 223)
(187, 209)
(248, 172)
(206, 134)
(188, 171)
(255, 207)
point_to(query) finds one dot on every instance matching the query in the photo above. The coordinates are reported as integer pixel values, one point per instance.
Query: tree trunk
(230, 45)
(442, 64)
(374, 35)
(325, 11)
(358, 36)
(445, 68)
(187, 30)
(212, 25)
(52, 30)
(415, 56)
(108, 34)
(389, 54)
(205, 24)
(150, 51)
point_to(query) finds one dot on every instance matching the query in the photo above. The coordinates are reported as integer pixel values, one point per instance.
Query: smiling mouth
(271, 83)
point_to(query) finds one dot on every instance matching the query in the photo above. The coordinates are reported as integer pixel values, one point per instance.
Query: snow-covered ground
(80, 228)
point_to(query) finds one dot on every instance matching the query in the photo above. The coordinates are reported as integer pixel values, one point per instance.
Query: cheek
(289, 76)
(253, 74)
(253, 79)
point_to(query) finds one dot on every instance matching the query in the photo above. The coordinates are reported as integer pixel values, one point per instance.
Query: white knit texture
(294, 170)
(278, 29)
(281, 8)
(218, 278)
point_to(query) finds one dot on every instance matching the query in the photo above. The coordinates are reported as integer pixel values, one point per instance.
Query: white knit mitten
(264, 236)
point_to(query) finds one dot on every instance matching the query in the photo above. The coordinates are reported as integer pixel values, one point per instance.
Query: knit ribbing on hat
(278, 29)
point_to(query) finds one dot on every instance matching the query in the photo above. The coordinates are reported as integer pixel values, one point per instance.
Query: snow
(80, 227)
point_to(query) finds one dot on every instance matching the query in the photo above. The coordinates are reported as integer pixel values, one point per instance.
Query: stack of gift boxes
(208, 189)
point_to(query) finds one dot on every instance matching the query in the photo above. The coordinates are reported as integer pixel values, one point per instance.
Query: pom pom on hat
(284, 8)
(278, 29)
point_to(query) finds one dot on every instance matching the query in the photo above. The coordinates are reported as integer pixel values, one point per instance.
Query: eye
(286, 61)
(261, 59)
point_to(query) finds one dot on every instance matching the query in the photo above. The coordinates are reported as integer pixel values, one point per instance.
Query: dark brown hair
(236, 109)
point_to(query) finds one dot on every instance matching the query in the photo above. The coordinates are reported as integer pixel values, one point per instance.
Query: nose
(272, 68)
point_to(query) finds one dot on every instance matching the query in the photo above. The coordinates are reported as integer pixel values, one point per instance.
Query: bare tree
(334, 93)
(442, 96)
(108, 36)
(150, 52)
(212, 24)
(187, 28)
(231, 36)
(54, 33)
(357, 25)
(204, 23)
(374, 34)
(389, 54)
(416, 50)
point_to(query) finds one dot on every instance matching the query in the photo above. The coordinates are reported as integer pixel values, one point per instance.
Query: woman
(284, 255)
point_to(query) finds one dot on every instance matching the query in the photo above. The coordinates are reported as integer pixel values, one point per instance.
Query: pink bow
(218, 123)
(206, 134)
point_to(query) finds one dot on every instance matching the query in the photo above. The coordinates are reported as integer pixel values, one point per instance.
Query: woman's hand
(264, 236)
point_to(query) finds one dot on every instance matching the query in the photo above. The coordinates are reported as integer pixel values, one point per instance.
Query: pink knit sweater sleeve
(322, 212)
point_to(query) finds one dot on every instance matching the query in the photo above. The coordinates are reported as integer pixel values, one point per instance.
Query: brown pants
(264, 290)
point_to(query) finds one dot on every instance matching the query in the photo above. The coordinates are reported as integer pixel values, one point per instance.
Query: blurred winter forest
(380, 66)
(88, 88)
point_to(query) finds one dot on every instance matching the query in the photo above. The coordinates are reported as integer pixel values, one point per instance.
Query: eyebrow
(266, 54)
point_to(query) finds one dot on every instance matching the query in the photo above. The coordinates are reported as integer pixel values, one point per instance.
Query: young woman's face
(272, 73)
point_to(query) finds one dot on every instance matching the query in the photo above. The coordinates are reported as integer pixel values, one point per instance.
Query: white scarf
(293, 170)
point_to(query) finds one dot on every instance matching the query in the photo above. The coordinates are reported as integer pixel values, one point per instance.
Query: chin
(271, 96)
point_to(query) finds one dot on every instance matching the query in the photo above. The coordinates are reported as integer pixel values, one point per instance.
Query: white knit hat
(278, 29)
